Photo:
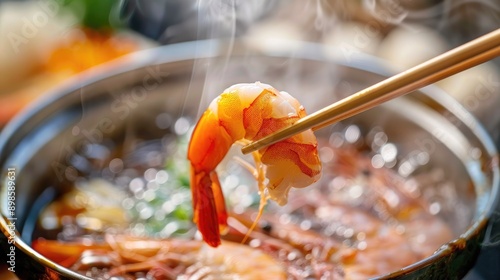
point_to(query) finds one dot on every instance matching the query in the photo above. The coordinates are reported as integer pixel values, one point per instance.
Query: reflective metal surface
(180, 79)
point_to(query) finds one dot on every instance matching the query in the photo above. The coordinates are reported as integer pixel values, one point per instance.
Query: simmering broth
(362, 219)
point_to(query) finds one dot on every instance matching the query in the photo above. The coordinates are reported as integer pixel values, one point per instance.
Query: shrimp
(243, 113)
(164, 259)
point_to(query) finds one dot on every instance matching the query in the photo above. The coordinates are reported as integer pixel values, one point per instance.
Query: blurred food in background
(43, 43)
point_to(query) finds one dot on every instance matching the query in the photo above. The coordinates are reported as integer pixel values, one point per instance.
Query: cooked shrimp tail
(210, 209)
(208, 204)
(246, 112)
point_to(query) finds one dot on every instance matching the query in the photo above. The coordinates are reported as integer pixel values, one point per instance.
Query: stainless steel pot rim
(214, 48)
(172, 53)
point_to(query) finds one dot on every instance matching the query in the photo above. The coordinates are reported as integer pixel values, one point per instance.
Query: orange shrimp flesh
(247, 112)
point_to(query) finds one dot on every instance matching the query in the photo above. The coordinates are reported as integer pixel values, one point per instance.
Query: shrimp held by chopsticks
(243, 113)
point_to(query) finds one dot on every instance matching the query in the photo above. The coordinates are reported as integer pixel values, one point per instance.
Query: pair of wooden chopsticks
(456, 60)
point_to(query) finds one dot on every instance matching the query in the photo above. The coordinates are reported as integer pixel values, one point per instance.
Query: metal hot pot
(129, 94)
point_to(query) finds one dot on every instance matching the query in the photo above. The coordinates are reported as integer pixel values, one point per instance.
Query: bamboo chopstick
(456, 60)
